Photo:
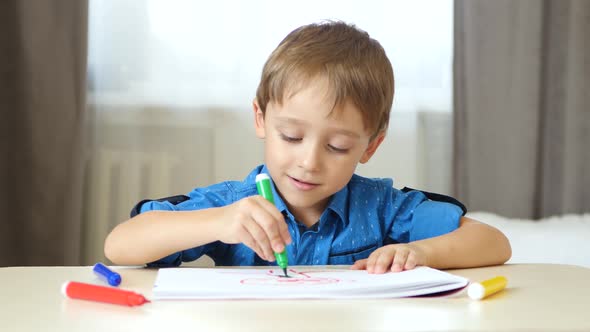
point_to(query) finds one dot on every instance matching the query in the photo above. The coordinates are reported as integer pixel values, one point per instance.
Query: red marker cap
(89, 292)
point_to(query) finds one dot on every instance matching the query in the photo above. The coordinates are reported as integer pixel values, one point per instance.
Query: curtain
(521, 106)
(42, 88)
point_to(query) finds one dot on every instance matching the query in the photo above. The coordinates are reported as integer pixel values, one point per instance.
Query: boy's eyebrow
(341, 131)
(291, 120)
(346, 132)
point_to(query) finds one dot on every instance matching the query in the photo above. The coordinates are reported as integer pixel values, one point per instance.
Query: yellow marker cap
(480, 290)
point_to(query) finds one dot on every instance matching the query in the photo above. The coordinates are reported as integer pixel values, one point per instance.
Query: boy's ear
(258, 120)
(372, 147)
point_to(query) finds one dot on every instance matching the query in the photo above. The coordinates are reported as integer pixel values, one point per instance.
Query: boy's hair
(354, 64)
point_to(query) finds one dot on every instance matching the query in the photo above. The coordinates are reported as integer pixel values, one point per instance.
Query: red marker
(82, 291)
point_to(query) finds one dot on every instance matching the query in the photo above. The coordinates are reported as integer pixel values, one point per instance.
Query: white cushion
(561, 239)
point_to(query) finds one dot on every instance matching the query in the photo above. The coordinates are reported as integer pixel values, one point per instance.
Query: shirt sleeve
(198, 200)
(415, 217)
(433, 218)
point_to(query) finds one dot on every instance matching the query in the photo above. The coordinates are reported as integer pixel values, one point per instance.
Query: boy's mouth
(302, 185)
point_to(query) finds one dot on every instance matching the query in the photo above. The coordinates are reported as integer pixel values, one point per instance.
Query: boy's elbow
(112, 251)
(505, 250)
(508, 251)
(499, 248)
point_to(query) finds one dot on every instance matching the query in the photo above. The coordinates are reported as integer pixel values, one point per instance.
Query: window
(210, 54)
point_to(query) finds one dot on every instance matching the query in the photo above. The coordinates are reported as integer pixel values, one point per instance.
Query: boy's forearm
(152, 235)
(473, 244)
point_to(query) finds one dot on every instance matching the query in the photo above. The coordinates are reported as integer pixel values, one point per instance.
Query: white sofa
(561, 239)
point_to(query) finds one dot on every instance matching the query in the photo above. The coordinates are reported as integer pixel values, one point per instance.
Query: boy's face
(311, 151)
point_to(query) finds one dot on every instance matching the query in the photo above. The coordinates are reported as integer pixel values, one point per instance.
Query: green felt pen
(264, 188)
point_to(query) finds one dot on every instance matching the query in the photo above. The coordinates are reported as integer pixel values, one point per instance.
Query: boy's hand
(393, 257)
(258, 224)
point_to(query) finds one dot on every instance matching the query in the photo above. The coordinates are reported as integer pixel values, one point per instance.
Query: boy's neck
(308, 222)
(308, 216)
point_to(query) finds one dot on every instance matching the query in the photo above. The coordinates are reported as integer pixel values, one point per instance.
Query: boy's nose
(310, 157)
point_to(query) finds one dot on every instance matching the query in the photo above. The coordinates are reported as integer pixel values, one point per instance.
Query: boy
(322, 106)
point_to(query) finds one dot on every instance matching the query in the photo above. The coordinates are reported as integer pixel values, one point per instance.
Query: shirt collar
(337, 203)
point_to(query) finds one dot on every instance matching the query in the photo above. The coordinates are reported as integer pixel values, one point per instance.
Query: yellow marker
(480, 290)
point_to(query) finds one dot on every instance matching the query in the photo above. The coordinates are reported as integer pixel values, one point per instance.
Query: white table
(539, 297)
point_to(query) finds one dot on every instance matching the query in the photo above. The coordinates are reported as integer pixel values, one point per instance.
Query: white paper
(311, 283)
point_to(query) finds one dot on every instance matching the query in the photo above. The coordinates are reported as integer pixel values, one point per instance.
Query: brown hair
(354, 64)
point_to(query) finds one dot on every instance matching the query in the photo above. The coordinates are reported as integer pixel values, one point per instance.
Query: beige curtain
(42, 88)
(521, 106)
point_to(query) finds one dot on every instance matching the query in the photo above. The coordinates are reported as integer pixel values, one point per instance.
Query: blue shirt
(365, 215)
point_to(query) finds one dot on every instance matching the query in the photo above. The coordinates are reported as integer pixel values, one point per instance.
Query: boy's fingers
(359, 265)
(276, 240)
(278, 233)
(278, 220)
(284, 229)
(249, 241)
(261, 239)
(410, 262)
(399, 261)
(271, 226)
(372, 260)
(384, 261)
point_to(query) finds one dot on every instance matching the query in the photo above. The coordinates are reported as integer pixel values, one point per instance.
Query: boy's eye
(290, 139)
(335, 149)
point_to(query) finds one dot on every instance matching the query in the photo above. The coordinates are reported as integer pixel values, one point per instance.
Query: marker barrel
(281, 258)
(480, 290)
(89, 292)
(111, 277)
(263, 185)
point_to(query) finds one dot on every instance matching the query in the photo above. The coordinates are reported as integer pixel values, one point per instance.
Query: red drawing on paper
(295, 279)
